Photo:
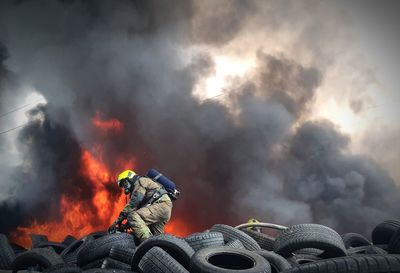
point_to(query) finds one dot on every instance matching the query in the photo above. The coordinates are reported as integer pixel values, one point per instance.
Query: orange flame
(177, 227)
(79, 218)
(113, 125)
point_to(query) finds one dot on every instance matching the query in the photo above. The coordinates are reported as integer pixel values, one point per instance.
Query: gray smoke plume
(131, 60)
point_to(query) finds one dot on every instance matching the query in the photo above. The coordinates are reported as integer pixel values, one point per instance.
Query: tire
(75, 246)
(354, 240)
(70, 259)
(17, 248)
(105, 270)
(394, 244)
(7, 254)
(70, 253)
(114, 264)
(63, 268)
(235, 244)
(383, 232)
(157, 260)
(277, 262)
(231, 233)
(310, 236)
(178, 248)
(100, 248)
(309, 251)
(58, 247)
(265, 241)
(352, 264)
(224, 260)
(365, 250)
(93, 264)
(299, 259)
(43, 258)
(384, 247)
(122, 254)
(202, 240)
(98, 234)
(38, 239)
(68, 240)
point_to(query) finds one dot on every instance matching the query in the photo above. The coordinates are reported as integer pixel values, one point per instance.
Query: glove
(113, 228)
(122, 216)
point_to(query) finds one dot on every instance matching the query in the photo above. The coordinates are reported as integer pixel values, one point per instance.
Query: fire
(79, 218)
(178, 228)
(93, 167)
(113, 125)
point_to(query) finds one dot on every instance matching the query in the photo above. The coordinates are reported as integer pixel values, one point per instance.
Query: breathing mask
(127, 186)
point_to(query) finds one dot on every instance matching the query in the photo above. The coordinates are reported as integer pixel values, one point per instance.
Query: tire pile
(304, 248)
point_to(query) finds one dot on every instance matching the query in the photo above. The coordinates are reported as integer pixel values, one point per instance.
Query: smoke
(258, 154)
(321, 173)
(51, 159)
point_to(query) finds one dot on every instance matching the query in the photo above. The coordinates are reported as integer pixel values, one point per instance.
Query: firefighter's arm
(122, 216)
(137, 197)
(130, 207)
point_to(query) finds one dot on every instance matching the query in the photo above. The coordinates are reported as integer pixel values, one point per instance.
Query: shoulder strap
(155, 181)
(138, 180)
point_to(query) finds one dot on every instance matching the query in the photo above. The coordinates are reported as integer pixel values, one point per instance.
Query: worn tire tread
(383, 232)
(157, 260)
(207, 239)
(352, 264)
(178, 248)
(7, 254)
(265, 241)
(46, 257)
(100, 248)
(394, 244)
(231, 233)
(122, 254)
(309, 236)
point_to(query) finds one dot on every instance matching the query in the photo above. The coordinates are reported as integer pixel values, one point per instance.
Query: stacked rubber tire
(304, 248)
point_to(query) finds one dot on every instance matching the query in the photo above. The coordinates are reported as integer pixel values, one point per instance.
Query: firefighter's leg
(157, 228)
(162, 213)
(154, 216)
(139, 226)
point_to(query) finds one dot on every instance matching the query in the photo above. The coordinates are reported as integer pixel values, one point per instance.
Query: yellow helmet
(128, 174)
(253, 221)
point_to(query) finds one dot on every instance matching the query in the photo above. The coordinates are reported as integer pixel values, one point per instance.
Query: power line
(219, 95)
(15, 110)
(19, 108)
(367, 109)
(12, 129)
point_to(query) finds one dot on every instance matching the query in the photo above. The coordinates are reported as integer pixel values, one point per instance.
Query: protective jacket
(143, 191)
(147, 215)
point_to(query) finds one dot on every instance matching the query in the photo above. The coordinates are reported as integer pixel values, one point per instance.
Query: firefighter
(149, 207)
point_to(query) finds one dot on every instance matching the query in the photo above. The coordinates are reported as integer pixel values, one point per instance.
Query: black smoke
(320, 172)
(129, 60)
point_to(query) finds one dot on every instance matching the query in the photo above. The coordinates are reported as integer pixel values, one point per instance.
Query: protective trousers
(150, 220)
